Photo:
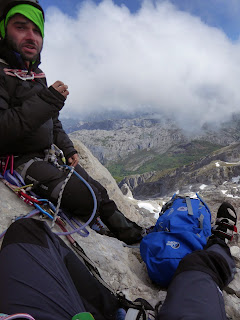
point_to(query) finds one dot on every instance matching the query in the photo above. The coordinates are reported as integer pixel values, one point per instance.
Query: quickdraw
(15, 182)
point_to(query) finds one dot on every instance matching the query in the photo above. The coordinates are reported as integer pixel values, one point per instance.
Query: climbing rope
(15, 182)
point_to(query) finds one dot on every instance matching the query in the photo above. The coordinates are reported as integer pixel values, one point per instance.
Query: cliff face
(122, 267)
(223, 165)
(137, 141)
(127, 137)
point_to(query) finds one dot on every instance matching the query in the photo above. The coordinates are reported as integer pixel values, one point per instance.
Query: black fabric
(28, 232)
(193, 295)
(94, 295)
(194, 290)
(124, 229)
(29, 113)
(44, 278)
(209, 262)
(77, 198)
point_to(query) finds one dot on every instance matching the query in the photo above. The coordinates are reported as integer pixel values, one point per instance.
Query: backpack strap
(200, 219)
(189, 206)
(190, 211)
(132, 314)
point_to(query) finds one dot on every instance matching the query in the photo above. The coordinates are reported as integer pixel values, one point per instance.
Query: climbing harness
(15, 182)
(46, 208)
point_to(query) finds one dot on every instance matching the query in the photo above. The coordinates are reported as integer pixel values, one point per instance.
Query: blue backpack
(184, 226)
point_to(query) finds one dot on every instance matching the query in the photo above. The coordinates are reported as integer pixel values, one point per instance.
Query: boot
(226, 221)
(123, 228)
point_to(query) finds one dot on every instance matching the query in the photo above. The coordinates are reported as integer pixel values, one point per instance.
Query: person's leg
(77, 198)
(123, 228)
(48, 180)
(33, 276)
(195, 291)
(41, 276)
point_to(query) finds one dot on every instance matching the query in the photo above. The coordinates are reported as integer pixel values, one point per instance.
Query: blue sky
(222, 14)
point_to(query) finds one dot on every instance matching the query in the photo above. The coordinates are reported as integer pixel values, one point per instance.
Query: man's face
(24, 37)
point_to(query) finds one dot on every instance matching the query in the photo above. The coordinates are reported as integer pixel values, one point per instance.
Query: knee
(25, 231)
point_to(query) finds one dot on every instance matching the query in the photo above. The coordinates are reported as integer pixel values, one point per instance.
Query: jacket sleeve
(37, 107)
(61, 139)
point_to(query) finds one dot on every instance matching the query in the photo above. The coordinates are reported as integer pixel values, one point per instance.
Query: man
(29, 124)
(41, 276)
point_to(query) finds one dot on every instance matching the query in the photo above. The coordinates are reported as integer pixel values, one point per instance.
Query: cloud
(159, 59)
(223, 14)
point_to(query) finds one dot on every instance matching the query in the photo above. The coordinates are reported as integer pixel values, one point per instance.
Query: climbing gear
(98, 226)
(71, 170)
(5, 162)
(184, 226)
(23, 74)
(16, 316)
(15, 182)
(52, 155)
(47, 208)
(226, 221)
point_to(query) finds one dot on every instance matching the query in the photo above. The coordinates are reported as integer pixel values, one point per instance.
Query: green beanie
(27, 10)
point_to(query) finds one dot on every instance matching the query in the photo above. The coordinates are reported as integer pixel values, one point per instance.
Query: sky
(178, 58)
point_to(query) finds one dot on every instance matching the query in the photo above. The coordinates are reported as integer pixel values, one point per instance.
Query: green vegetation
(145, 161)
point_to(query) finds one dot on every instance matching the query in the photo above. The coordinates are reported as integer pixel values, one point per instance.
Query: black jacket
(29, 111)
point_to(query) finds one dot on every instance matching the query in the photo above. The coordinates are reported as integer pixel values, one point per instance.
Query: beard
(12, 44)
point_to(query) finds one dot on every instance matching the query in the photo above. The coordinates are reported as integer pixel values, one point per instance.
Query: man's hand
(61, 88)
(73, 160)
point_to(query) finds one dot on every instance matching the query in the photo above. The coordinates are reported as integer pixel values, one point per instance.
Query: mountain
(215, 169)
(98, 120)
(150, 143)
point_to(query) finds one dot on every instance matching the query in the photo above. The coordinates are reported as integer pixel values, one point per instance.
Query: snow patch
(236, 179)
(233, 163)
(229, 195)
(203, 186)
(150, 207)
(232, 196)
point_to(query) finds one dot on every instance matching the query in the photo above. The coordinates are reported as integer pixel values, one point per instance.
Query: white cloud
(159, 58)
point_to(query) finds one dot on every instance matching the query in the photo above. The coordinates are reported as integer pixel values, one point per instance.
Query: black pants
(41, 276)
(195, 291)
(76, 198)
